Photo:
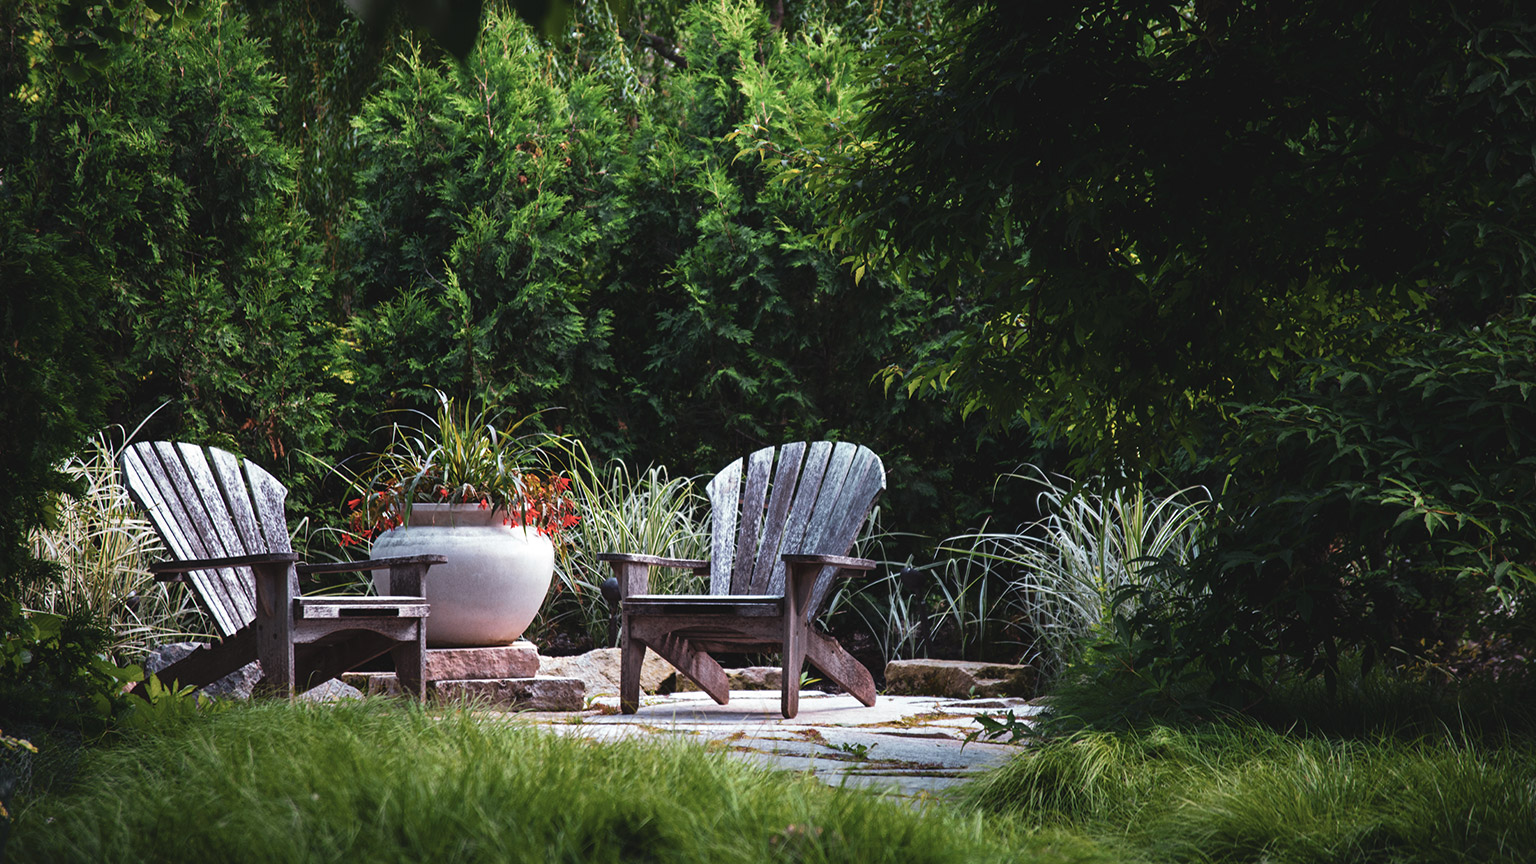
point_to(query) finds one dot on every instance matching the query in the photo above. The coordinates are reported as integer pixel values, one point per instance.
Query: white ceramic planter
(495, 579)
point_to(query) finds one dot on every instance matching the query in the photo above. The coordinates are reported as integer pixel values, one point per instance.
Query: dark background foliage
(1285, 245)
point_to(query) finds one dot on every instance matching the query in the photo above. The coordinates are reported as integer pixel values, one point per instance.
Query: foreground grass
(1244, 793)
(386, 782)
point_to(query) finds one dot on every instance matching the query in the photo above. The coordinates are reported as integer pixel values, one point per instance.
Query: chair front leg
(799, 581)
(633, 577)
(274, 626)
(410, 658)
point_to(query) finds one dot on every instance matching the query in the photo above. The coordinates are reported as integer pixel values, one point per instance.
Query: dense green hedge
(574, 229)
(540, 227)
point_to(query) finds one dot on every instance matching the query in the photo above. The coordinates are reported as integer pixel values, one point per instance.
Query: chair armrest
(174, 568)
(841, 562)
(655, 561)
(633, 571)
(372, 564)
(407, 574)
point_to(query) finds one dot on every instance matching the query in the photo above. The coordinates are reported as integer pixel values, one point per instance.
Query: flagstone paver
(910, 745)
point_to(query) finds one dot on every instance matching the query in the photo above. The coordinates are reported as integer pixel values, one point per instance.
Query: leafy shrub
(572, 227)
(1380, 511)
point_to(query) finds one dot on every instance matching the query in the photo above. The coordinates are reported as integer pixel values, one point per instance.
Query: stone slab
(958, 679)
(527, 694)
(373, 683)
(518, 660)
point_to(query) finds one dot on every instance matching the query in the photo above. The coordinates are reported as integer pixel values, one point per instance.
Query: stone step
(525, 694)
(747, 678)
(529, 693)
(518, 660)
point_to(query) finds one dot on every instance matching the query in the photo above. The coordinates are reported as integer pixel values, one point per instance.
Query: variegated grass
(1040, 590)
(104, 547)
(622, 509)
(1063, 571)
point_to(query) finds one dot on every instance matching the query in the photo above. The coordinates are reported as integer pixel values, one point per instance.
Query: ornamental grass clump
(459, 455)
(103, 547)
(1065, 571)
(1243, 793)
(623, 510)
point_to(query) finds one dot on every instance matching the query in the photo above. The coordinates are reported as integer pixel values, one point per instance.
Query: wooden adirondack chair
(223, 520)
(783, 521)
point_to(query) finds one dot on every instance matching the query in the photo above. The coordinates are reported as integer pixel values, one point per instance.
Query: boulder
(599, 670)
(238, 684)
(958, 679)
(333, 690)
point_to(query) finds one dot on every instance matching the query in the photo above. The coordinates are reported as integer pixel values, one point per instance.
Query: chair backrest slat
(725, 506)
(786, 478)
(749, 528)
(816, 459)
(214, 512)
(823, 512)
(820, 495)
(864, 483)
(231, 483)
(206, 503)
(163, 489)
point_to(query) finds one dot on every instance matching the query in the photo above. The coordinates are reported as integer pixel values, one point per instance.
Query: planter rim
(458, 516)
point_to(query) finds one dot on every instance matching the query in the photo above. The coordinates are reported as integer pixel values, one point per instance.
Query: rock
(529, 694)
(599, 670)
(238, 684)
(518, 660)
(333, 690)
(750, 678)
(958, 679)
(373, 683)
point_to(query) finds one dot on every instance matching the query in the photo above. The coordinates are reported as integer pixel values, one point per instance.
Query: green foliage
(217, 303)
(1157, 208)
(1379, 510)
(372, 781)
(458, 455)
(1240, 793)
(994, 727)
(52, 390)
(51, 673)
(160, 707)
(571, 227)
(467, 217)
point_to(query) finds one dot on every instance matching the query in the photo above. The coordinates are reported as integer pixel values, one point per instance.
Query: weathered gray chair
(783, 521)
(223, 520)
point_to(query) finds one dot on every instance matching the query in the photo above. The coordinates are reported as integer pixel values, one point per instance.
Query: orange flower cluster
(546, 505)
(543, 503)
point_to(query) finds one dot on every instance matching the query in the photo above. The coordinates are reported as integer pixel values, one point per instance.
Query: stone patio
(908, 745)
